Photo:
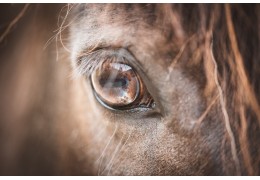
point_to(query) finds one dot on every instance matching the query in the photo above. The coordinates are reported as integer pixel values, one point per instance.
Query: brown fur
(200, 63)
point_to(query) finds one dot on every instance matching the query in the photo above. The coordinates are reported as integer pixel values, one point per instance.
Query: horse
(130, 89)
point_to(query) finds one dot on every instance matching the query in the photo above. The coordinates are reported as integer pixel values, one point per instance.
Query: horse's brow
(85, 41)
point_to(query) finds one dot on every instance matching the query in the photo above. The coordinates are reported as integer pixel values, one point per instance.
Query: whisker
(100, 159)
(123, 147)
(113, 156)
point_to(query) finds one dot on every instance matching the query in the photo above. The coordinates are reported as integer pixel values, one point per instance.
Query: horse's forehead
(139, 26)
(118, 11)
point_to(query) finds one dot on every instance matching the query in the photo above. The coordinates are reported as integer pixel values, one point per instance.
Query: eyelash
(88, 62)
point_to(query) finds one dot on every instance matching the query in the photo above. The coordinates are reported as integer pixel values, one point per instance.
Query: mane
(228, 37)
(228, 49)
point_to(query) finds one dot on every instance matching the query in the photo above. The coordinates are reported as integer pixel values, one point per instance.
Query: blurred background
(31, 82)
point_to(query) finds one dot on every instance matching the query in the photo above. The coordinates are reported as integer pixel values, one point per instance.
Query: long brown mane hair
(229, 36)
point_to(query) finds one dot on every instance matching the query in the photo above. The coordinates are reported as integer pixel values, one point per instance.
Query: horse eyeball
(116, 84)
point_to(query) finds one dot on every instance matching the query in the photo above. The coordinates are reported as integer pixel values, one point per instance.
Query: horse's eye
(118, 86)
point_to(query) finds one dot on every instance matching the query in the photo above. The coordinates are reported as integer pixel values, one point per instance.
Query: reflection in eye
(118, 86)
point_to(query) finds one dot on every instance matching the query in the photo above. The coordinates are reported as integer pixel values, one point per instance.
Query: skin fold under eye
(118, 86)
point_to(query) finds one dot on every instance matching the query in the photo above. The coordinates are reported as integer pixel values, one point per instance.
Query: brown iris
(116, 84)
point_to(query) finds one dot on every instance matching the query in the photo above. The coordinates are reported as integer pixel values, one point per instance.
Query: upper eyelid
(88, 62)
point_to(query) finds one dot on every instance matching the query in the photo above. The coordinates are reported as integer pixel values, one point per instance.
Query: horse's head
(157, 89)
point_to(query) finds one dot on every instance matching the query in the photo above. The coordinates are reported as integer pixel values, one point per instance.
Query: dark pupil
(119, 82)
